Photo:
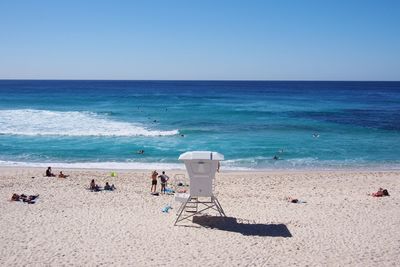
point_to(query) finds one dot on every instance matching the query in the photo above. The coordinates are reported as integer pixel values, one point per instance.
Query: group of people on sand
(49, 173)
(163, 180)
(94, 187)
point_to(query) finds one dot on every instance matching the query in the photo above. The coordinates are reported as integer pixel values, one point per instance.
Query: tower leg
(219, 207)
(182, 208)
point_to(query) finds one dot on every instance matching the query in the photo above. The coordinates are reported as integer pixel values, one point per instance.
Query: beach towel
(94, 190)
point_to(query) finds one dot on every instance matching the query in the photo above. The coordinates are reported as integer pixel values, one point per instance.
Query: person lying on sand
(49, 173)
(24, 198)
(109, 187)
(380, 193)
(62, 175)
(294, 200)
(30, 199)
(93, 186)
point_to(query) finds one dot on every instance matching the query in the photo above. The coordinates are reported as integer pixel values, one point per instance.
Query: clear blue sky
(167, 39)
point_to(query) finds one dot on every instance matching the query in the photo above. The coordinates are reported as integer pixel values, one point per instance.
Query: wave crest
(69, 123)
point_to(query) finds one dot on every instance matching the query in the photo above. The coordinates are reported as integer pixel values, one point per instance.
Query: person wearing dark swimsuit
(154, 181)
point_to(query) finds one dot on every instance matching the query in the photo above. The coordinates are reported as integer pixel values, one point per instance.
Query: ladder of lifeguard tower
(192, 206)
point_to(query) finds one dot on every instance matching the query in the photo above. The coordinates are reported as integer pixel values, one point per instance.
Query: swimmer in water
(140, 152)
(315, 135)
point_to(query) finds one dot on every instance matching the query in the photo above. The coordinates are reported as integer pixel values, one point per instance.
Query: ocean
(102, 124)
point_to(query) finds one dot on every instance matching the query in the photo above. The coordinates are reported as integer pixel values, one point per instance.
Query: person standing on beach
(154, 181)
(164, 179)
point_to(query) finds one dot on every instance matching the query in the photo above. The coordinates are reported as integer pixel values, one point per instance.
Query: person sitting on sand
(62, 175)
(109, 187)
(154, 181)
(49, 173)
(94, 186)
(381, 193)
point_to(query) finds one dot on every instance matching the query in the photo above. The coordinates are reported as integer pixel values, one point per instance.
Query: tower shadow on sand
(231, 224)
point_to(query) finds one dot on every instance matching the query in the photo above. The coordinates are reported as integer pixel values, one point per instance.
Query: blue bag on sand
(166, 208)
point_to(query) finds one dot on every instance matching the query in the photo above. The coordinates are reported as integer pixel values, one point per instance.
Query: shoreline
(181, 167)
(276, 170)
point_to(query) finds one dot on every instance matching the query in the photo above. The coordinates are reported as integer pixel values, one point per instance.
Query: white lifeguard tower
(201, 167)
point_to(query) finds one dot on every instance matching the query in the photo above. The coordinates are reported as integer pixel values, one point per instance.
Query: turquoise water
(101, 124)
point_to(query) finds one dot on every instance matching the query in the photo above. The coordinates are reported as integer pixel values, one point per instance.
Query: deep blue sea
(102, 124)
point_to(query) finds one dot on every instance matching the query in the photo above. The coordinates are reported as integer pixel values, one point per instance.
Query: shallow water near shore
(101, 124)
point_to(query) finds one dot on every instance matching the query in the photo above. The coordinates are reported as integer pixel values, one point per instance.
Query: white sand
(339, 225)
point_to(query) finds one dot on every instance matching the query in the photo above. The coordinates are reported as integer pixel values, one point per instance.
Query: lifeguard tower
(201, 167)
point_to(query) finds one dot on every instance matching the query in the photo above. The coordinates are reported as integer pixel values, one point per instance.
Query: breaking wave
(69, 123)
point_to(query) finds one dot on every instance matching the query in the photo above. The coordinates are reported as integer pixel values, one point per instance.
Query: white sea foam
(73, 123)
(97, 165)
(110, 165)
(307, 163)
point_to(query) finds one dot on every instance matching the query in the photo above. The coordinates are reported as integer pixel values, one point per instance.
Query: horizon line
(194, 80)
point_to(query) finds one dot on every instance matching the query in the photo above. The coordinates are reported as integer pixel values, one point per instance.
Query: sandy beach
(338, 225)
